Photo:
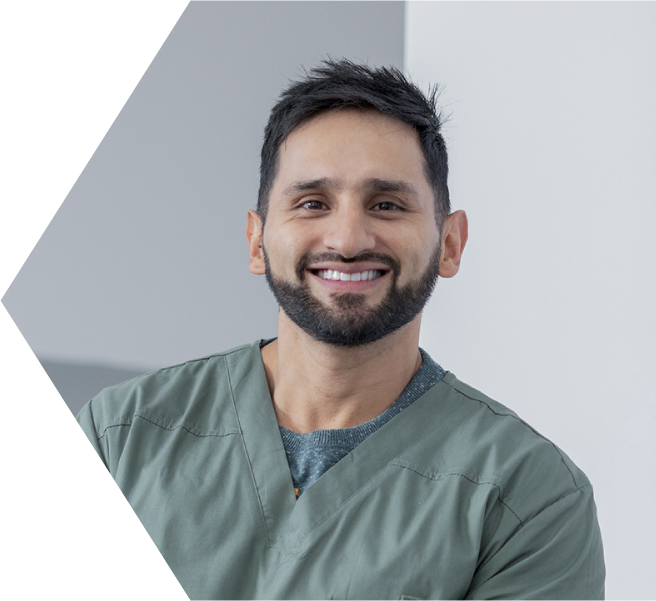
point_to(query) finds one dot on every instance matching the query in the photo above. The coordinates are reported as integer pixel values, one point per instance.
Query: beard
(351, 322)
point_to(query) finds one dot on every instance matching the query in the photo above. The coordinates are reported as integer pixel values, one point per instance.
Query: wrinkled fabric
(453, 498)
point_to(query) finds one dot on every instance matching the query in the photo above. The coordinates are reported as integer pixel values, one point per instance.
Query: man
(339, 460)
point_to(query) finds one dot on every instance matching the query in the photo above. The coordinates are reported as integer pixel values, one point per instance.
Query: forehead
(350, 146)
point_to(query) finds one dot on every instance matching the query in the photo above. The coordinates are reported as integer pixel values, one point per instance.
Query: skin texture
(350, 184)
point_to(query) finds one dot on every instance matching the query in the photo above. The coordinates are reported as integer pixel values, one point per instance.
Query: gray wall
(145, 263)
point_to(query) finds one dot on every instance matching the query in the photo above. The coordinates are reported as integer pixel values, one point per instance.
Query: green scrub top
(455, 497)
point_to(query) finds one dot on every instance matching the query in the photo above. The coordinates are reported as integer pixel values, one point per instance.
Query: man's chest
(228, 531)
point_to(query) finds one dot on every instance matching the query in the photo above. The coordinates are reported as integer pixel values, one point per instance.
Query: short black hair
(336, 84)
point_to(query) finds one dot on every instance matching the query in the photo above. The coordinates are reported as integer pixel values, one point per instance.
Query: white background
(552, 145)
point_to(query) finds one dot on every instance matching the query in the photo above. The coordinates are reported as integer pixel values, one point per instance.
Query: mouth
(360, 276)
(336, 281)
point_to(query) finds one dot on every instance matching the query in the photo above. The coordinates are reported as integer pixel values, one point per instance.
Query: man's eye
(313, 205)
(385, 206)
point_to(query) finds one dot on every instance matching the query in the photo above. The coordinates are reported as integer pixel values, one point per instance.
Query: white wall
(552, 142)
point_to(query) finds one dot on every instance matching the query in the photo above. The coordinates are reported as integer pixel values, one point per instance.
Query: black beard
(352, 323)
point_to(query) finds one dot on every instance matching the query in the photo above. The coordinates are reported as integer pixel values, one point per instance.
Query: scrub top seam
(558, 500)
(169, 429)
(481, 483)
(521, 421)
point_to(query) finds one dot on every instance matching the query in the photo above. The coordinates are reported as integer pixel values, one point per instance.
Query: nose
(348, 231)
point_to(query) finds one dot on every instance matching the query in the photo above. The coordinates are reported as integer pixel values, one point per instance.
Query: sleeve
(86, 421)
(557, 554)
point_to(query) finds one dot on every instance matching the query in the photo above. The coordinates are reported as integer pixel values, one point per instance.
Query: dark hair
(341, 83)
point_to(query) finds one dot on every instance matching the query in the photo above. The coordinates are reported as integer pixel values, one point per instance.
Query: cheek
(414, 267)
(288, 244)
(416, 261)
(281, 255)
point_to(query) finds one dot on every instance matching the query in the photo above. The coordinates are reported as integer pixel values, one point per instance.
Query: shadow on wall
(77, 383)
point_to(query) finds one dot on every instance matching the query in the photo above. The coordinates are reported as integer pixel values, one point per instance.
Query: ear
(454, 238)
(254, 237)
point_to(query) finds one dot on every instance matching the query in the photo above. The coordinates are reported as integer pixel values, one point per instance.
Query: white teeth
(329, 274)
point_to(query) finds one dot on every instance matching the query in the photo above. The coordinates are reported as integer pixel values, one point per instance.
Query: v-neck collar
(287, 520)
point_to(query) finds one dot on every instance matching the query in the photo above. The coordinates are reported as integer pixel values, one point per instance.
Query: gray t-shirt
(312, 454)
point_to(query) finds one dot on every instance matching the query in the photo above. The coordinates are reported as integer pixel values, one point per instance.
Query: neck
(318, 386)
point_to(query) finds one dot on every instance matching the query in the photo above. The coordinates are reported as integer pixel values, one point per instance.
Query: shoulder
(195, 395)
(489, 444)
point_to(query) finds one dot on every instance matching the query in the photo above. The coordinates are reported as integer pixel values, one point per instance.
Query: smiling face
(351, 248)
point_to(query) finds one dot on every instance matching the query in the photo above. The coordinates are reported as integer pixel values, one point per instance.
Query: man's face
(351, 247)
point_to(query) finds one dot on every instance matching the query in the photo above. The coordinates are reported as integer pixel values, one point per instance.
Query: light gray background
(552, 154)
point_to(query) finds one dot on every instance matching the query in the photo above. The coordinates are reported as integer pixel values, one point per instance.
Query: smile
(330, 274)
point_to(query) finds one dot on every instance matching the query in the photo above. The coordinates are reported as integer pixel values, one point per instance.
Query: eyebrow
(313, 184)
(372, 184)
(385, 185)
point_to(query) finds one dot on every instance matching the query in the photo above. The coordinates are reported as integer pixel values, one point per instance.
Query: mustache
(309, 258)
